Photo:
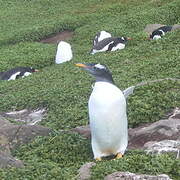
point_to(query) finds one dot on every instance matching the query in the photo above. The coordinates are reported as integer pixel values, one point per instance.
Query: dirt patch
(61, 36)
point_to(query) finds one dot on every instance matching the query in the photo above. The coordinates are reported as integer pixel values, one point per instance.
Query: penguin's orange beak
(36, 70)
(81, 65)
(129, 38)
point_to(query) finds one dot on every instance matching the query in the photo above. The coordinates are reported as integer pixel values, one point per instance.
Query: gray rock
(6, 160)
(151, 27)
(132, 176)
(175, 114)
(30, 117)
(168, 129)
(175, 27)
(11, 136)
(21, 134)
(84, 171)
(83, 130)
(165, 146)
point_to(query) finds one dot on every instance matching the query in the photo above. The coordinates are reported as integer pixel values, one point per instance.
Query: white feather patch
(13, 77)
(156, 37)
(26, 74)
(100, 66)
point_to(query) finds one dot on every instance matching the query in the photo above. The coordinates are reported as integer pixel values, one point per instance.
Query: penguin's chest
(107, 113)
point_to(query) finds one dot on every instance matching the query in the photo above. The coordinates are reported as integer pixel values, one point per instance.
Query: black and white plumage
(100, 36)
(110, 44)
(107, 114)
(17, 72)
(158, 33)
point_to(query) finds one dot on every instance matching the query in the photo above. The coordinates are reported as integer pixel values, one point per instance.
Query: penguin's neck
(108, 79)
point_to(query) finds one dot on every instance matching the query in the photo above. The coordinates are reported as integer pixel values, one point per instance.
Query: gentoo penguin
(100, 36)
(107, 114)
(109, 44)
(64, 52)
(17, 72)
(158, 33)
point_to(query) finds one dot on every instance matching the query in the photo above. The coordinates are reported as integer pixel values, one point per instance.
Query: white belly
(108, 120)
(119, 46)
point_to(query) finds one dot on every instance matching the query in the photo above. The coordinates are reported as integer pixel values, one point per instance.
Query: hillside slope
(64, 89)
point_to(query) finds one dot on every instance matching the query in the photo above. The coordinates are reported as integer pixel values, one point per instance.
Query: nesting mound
(61, 36)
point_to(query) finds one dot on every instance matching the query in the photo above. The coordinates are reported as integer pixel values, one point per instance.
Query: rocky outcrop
(132, 176)
(6, 160)
(168, 129)
(13, 135)
(26, 116)
(165, 146)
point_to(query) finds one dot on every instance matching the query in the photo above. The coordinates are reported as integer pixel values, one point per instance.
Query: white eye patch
(122, 38)
(100, 66)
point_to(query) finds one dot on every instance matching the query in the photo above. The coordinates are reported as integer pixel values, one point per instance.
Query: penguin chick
(110, 44)
(17, 72)
(100, 36)
(158, 33)
(107, 114)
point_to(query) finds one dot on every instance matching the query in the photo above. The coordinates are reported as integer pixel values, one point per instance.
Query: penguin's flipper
(128, 91)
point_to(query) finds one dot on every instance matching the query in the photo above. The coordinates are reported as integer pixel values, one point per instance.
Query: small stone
(84, 171)
(132, 176)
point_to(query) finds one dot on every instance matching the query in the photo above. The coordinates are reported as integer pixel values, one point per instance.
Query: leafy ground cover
(64, 89)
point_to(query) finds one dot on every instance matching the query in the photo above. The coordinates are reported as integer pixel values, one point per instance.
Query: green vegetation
(64, 89)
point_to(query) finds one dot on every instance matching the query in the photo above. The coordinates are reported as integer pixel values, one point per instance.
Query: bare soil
(61, 36)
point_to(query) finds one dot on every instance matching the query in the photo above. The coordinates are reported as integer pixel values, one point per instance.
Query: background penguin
(64, 52)
(158, 33)
(107, 113)
(110, 44)
(17, 72)
(100, 36)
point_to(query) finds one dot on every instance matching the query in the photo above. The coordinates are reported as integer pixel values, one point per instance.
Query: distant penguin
(110, 44)
(107, 114)
(16, 73)
(158, 33)
(64, 52)
(100, 36)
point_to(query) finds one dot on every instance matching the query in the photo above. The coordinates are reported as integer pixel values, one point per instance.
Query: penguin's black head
(30, 69)
(124, 39)
(99, 71)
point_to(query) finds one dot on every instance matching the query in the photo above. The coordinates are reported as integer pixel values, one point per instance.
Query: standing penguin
(100, 36)
(158, 33)
(64, 52)
(110, 44)
(107, 113)
(17, 72)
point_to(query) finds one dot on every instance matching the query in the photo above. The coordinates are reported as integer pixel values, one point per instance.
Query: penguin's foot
(98, 159)
(119, 155)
